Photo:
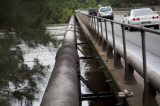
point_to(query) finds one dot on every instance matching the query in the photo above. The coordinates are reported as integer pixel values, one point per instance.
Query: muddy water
(93, 74)
(92, 71)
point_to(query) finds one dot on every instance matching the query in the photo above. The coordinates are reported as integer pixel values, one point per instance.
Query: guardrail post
(117, 61)
(149, 92)
(94, 27)
(129, 74)
(97, 29)
(129, 70)
(109, 52)
(105, 23)
(105, 42)
(144, 69)
(109, 48)
(90, 22)
(113, 36)
(93, 23)
(117, 58)
(149, 96)
(101, 34)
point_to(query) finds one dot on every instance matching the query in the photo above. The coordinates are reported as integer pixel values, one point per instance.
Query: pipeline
(62, 89)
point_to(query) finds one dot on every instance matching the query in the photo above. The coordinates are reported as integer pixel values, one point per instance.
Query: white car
(105, 12)
(142, 17)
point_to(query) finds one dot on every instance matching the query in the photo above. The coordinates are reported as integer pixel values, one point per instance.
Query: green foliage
(117, 3)
(26, 18)
(4, 102)
(137, 5)
(22, 21)
(14, 71)
(88, 4)
(66, 16)
(133, 3)
(59, 14)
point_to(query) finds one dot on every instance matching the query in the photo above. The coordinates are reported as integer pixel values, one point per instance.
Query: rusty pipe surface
(62, 89)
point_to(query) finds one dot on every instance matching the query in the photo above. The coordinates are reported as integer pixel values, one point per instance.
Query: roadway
(152, 40)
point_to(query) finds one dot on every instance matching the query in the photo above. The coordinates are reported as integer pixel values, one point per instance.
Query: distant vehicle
(105, 12)
(142, 17)
(92, 11)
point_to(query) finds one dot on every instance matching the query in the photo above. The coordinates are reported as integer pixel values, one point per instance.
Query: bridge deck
(117, 75)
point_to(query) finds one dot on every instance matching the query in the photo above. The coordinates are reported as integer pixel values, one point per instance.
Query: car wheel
(130, 29)
(125, 26)
(156, 27)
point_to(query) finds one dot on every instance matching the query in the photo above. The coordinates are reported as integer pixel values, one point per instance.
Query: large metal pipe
(62, 89)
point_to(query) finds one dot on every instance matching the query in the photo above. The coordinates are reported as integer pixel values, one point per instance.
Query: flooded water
(93, 74)
(46, 56)
(92, 71)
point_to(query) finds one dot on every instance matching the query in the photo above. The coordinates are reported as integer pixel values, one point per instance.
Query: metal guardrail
(151, 79)
(62, 89)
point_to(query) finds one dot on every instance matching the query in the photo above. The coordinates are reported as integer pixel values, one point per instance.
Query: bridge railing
(151, 79)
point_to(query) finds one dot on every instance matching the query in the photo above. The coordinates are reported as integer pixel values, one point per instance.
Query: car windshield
(105, 9)
(142, 12)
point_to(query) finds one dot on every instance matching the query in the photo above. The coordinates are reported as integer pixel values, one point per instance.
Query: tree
(25, 21)
(21, 21)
